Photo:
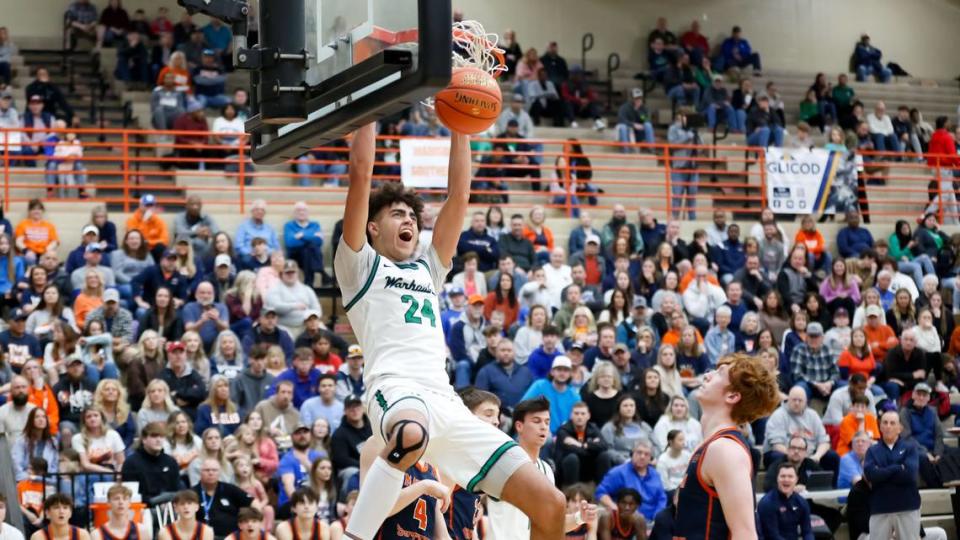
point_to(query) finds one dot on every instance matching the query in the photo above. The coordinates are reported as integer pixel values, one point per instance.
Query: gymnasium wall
(808, 35)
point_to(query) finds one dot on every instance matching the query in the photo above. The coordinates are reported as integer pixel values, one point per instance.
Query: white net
(474, 47)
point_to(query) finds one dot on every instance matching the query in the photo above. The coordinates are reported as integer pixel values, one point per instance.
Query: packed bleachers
(144, 317)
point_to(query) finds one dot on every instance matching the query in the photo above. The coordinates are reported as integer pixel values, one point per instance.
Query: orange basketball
(471, 103)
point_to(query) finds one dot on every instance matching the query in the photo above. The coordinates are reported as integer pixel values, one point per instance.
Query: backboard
(366, 59)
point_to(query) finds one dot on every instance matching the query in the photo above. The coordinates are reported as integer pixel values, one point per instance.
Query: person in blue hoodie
(637, 474)
(891, 468)
(11, 270)
(853, 239)
(477, 240)
(304, 241)
(735, 52)
(732, 254)
(782, 512)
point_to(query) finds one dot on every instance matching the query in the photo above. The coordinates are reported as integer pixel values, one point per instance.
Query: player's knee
(407, 444)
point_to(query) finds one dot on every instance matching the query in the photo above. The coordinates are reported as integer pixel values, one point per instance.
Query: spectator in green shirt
(843, 96)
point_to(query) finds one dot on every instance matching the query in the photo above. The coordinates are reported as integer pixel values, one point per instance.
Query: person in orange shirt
(150, 223)
(178, 66)
(90, 297)
(30, 491)
(880, 337)
(677, 323)
(40, 394)
(539, 234)
(809, 236)
(698, 260)
(34, 235)
(858, 419)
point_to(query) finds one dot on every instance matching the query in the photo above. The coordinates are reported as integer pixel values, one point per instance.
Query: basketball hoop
(473, 47)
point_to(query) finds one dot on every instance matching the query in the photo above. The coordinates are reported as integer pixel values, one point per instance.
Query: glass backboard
(367, 59)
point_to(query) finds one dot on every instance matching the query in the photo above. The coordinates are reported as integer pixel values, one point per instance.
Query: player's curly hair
(394, 192)
(757, 386)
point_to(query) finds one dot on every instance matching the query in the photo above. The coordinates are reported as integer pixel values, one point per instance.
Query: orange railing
(119, 165)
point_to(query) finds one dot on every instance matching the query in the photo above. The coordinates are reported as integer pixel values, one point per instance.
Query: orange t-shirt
(531, 235)
(510, 314)
(672, 337)
(848, 428)
(30, 494)
(83, 305)
(36, 235)
(813, 240)
(877, 339)
(954, 348)
(864, 365)
(44, 399)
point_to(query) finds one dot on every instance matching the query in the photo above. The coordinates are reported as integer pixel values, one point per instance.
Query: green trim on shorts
(491, 461)
(363, 290)
(383, 404)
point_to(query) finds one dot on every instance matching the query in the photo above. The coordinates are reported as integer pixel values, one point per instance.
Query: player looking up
(716, 497)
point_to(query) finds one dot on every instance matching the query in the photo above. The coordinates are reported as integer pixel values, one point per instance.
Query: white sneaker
(600, 124)
(574, 124)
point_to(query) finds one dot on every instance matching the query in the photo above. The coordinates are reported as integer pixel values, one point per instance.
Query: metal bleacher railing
(120, 164)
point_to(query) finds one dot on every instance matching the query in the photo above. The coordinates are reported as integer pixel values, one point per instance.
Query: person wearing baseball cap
(268, 332)
(187, 388)
(922, 424)
(880, 336)
(466, 340)
(90, 234)
(350, 380)
(456, 303)
(634, 125)
(556, 388)
(594, 264)
(814, 366)
(151, 224)
(93, 259)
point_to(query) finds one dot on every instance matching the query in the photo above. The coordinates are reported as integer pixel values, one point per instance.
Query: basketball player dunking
(391, 298)
(716, 498)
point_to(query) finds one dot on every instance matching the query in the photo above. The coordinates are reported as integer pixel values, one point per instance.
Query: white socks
(378, 494)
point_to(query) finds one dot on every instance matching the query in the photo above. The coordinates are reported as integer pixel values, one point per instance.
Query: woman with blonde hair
(677, 417)
(243, 301)
(110, 397)
(276, 360)
(186, 264)
(157, 405)
(211, 447)
(90, 297)
(602, 392)
(100, 447)
(181, 75)
(196, 357)
(539, 234)
(141, 364)
(267, 460)
(218, 411)
(670, 380)
(583, 327)
(248, 482)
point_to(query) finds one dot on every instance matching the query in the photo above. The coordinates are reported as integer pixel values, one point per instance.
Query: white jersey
(395, 313)
(506, 521)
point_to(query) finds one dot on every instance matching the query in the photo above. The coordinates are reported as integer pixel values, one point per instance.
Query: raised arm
(362, 156)
(446, 232)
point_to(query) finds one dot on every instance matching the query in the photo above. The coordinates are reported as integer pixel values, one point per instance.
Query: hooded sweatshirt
(247, 389)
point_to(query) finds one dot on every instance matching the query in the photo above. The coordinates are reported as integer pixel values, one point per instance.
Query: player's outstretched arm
(727, 467)
(446, 232)
(362, 156)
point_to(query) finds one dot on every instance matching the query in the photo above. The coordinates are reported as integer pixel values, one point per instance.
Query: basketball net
(473, 47)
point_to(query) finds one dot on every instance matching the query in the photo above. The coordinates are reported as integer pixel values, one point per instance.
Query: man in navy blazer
(891, 468)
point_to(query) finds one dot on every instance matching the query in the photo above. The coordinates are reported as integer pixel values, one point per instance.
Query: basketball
(470, 103)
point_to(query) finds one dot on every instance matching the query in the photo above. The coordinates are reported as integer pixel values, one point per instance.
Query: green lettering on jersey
(426, 311)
